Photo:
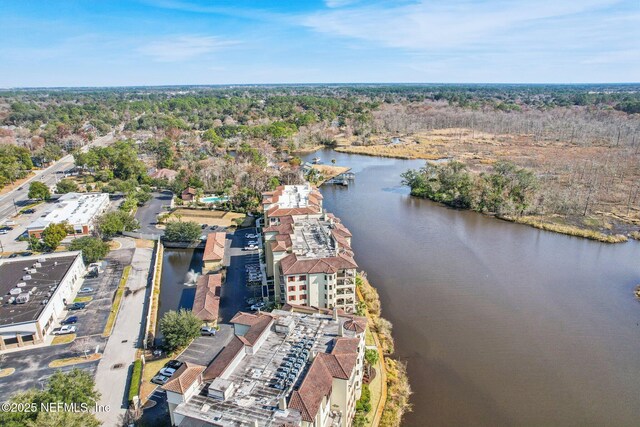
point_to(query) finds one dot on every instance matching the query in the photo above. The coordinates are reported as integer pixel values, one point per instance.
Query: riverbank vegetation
(398, 389)
(509, 192)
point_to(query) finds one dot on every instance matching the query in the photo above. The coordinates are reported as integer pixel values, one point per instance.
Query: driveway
(147, 215)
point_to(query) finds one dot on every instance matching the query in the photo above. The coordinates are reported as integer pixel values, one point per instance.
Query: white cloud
(183, 48)
(427, 25)
(339, 3)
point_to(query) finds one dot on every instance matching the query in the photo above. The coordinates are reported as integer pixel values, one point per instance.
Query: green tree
(93, 249)
(39, 191)
(372, 357)
(178, 231)
(179, 328)
(66, 186)
(73, 387)
(112, 223)
(54, 234)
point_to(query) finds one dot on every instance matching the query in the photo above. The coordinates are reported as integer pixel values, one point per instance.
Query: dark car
(77, 306)
(70, 320)
(203, 226)
(13, 255)
(173, 364)
(28, 211)
(6, 228)
(26, 253)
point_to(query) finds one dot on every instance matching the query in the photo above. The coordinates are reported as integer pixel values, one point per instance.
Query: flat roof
(49, 271)
(294, 196)
(74, 208)
(253, 398)
(312, 239)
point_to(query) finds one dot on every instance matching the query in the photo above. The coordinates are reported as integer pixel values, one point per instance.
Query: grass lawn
(149, 371)
(63, 339)
(58, 363)
(6, 372)
(83, 299)
(205, 216)
(116, 302)
(368, 338)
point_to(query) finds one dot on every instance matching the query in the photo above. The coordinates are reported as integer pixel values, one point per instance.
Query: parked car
(85, 290)
(167, 371)
(13, 255)
(70, 320)
(257, 306)
(4, 231)
(203, 226)
(160, 379)
(28, 211)
(66, 329)
(26, 253)
(208, 330)
(250, 247)
(174, 364)
(251, 236)
(78, 306)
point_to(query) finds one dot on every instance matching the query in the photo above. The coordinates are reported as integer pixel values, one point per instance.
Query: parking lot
(32, 364)
(204, 349)
(92, 319)
(235, 291)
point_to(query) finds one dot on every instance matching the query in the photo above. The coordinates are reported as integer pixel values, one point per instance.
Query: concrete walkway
(121, 348)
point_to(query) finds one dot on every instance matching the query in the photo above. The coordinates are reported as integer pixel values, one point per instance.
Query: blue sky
(162, 42)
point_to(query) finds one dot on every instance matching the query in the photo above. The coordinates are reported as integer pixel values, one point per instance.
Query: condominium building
(292, 367)
(79, 210)
(307, 250)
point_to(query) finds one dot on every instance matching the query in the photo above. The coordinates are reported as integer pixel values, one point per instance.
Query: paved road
(114, 369)
(18, 198)
(147, 215)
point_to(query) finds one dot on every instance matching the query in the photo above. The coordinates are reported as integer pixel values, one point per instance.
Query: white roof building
(77, 209)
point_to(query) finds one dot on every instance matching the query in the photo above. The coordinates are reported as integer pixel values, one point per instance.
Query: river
(499, 323)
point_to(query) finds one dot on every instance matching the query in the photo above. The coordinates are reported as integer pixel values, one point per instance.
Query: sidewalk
(123, 343)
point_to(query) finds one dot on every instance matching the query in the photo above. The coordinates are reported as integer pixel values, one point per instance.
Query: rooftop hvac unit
(26, 277)
(37, 265)
(32, 271)
(44, 301)
(35, 288)
(21, 285)
(11, 300)
(22, 299)
(42, 259)
(15, 291)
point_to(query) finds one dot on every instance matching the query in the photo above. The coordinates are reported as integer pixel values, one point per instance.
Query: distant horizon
(229, 85)
(129, 43)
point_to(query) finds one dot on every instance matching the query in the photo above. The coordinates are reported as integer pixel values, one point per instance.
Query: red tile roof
(356, 324)
(207, 299)
(214, 248)
(184, 378)
(290, 264)
(318, 382)
(258, 324)
(224, 358)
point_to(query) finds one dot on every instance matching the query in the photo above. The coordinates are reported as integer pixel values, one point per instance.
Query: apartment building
(307, 250)
(293, 367)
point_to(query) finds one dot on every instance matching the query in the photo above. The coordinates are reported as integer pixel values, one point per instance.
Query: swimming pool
(214, 199)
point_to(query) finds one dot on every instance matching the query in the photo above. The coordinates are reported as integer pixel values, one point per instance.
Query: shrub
(136, 378)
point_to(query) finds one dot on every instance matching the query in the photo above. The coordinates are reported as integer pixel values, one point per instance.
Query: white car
(250, 247)
(251, 236)
(257, 306)
(85, 290)
(167, 372)
(66, 329)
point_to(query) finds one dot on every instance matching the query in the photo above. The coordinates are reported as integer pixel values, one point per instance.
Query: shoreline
(394, 402)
